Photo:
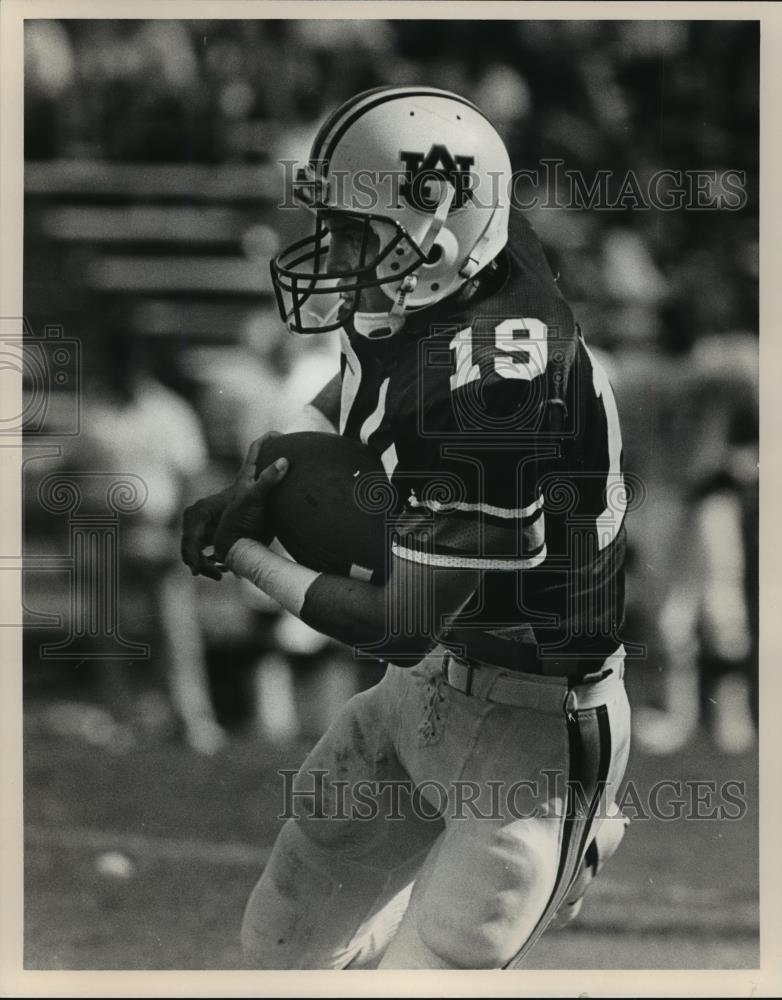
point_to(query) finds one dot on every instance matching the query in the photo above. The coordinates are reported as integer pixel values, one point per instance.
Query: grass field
(193, 834)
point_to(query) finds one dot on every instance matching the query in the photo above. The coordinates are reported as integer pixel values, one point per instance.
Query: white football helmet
(428, 175)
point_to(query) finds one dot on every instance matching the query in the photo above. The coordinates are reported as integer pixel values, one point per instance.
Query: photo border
(765, 981)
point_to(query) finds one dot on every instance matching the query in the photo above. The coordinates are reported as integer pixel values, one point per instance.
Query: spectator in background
(709, 621)
(726, 519)
(707, 616)
(134, 424)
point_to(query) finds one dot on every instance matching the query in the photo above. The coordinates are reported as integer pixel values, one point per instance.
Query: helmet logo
(421, 169)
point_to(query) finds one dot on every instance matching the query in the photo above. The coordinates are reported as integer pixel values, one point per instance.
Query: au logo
(438, 164)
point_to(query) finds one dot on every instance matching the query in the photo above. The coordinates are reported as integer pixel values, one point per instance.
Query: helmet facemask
(314, 296)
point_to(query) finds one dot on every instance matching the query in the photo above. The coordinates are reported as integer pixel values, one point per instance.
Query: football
(330, 510)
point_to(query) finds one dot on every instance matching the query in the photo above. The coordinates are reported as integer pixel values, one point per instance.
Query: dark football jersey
(499, 433)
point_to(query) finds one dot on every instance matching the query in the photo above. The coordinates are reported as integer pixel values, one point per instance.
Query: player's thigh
(317, 906)
(352, 782)
(352, 842)
(479, 895)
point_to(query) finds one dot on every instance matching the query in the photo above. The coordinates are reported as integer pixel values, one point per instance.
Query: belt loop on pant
(448, 658)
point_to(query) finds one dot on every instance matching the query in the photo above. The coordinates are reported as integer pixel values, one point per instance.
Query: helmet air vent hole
(399, 251)
(394, 265)
(435, 286)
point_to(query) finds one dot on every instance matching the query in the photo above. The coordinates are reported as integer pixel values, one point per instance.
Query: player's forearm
(350, 611)
(359, 614)
(345, 609)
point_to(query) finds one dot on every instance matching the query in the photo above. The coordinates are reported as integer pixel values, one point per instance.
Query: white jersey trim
(484, 508)
(466, 562)
(610, 520)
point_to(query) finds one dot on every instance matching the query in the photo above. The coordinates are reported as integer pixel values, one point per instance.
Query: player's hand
(244, 515)
(201, 519)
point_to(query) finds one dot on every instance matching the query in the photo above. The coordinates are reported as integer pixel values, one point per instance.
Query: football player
(502, 718)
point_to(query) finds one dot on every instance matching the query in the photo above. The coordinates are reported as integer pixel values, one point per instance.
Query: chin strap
(408, 284)
(471, 266)
(406, 287)
(440, 215)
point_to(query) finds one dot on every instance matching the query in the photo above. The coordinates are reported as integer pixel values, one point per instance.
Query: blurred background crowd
(152, 179)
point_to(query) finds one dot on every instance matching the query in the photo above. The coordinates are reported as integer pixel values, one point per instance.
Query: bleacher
(185, 247)
(181, 250)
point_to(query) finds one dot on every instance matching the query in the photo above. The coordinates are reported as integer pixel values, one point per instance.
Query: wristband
(281, 579)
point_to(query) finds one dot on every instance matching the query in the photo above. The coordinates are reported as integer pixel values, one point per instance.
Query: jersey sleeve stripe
(484, 508)
(457, 561)
(531, 524)
(454, 550)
